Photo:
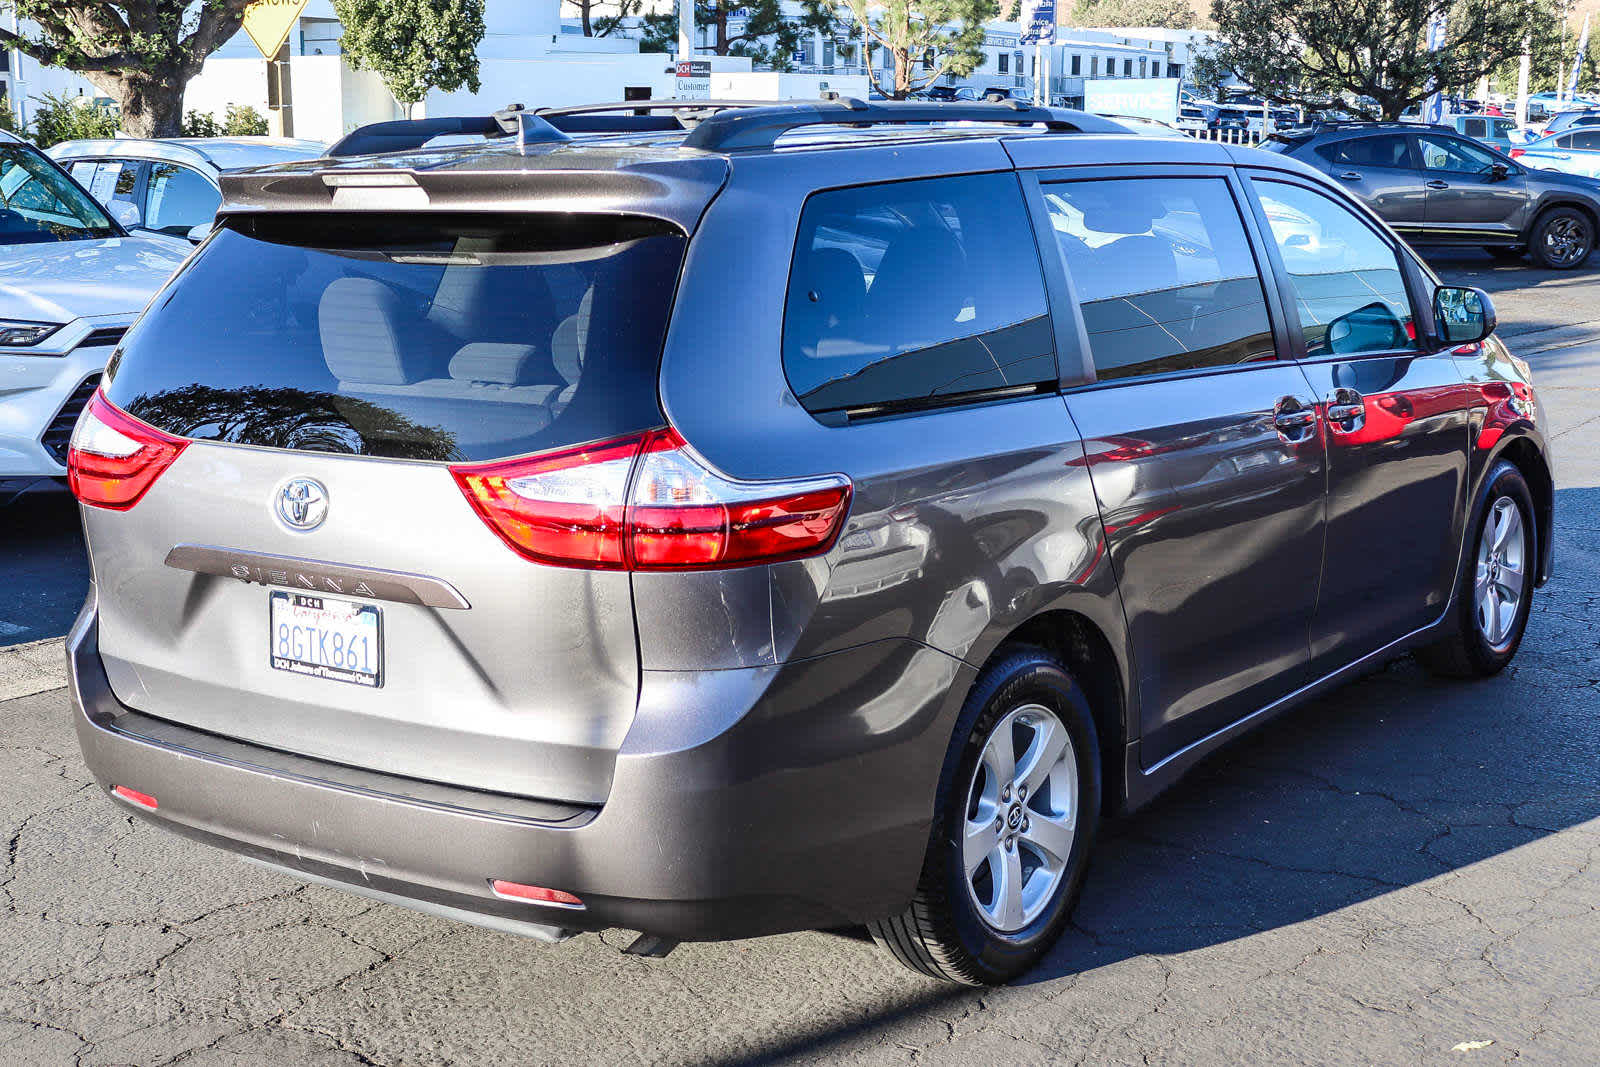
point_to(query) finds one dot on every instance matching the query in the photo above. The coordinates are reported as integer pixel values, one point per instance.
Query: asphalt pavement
(1404, 871)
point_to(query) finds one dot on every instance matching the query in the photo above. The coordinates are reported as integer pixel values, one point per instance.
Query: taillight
(575, 508)
(114, 458)
(1518, 153)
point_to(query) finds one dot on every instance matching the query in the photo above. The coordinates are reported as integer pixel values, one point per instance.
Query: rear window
(447, 338)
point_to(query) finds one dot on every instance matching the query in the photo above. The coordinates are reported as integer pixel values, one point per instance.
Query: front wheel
(1017, 809)
(1494, 592)
(1562, 238)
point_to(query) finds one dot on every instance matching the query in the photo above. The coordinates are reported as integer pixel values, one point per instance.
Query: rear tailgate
(328, 371)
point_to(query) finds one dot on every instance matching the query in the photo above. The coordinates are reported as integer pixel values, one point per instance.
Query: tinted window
(915, 293)
(1349, 293)
(451, 338)
(1389, 150)
(1163, 272)
(1455, 155)
(40, 203)
(179, 199)
(1586, 140)
(1474, 127)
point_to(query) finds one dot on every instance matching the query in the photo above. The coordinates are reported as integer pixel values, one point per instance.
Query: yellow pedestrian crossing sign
(268, 23)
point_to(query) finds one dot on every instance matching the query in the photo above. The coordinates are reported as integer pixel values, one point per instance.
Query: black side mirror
(1463, 315)
(1499, 172)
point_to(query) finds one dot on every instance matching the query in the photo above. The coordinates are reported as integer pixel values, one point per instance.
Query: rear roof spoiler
(403, 135)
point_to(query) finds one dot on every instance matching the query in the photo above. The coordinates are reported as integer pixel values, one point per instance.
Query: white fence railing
(1234, 136)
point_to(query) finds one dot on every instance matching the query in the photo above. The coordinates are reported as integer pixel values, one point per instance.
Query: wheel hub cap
(1501, 578)
(1021, 818)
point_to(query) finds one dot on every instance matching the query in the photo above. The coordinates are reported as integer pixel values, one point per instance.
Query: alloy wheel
(1566, 240)
(1021, 818)
(1500, 582)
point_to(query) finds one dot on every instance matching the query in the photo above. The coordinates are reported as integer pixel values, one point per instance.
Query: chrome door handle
(1347, 411)
(1437, 184)
(1293, 420)
(1350, 176)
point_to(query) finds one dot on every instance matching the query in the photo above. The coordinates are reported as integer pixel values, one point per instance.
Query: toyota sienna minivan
(824, 514)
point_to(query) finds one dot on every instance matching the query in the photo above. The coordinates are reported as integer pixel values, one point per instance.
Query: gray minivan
(824, 514)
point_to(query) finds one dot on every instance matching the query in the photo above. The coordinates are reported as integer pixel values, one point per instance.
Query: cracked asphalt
(1402, 872)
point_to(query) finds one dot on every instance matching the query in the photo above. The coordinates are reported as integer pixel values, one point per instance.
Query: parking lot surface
(1405, 871)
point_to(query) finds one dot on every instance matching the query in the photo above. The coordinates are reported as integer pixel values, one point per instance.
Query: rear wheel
(1562, 238)
(1017, 810)
(1495, 588)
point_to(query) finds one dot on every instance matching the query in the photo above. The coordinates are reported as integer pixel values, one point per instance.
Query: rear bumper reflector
(133, 796)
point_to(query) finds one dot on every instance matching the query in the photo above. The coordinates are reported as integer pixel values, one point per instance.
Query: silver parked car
(71, 280)
(174, 185)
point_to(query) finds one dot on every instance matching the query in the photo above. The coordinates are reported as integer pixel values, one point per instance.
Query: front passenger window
(1349, 292)
(1455, 155)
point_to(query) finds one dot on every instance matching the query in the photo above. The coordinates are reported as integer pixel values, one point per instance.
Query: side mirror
(1499, 172)
(200, 232)
(1463, 315)
(126, 214)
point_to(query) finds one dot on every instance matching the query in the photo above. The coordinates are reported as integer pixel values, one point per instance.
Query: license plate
(323, 637)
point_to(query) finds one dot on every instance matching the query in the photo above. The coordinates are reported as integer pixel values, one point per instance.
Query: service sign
(268, 23)
(694, 79)
(1038, 21)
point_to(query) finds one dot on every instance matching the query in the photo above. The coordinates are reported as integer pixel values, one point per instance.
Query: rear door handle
(1350, 176)
(1437, 184)
(1294, 421)
(1347, 410)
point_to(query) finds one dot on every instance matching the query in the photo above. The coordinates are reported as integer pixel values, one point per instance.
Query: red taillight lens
(574, 508)
(536, 894)
(133, 796)
(114, 458)
(1518, 153)
(562, 507)
(683, 515)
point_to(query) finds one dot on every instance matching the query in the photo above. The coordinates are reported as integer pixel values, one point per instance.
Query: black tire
(942, 934)
(1466, 651)
(1562, 238)
(1506, 253)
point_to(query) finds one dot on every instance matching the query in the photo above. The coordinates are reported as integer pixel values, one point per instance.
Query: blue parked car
(1574, 152)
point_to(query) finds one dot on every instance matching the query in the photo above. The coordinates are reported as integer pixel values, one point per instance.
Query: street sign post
(268, 23)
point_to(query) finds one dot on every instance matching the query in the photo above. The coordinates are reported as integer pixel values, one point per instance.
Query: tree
(414, 45)
(1368, 57)
(938, 36)
(1170, 14)
(602, 18)
(141, 53)
(753, 28)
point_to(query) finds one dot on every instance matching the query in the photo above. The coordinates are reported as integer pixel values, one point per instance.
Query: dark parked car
(1435, 186)
(822, 517)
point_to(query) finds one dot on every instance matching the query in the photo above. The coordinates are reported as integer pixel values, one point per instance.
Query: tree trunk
(902, 73)
(151, 102)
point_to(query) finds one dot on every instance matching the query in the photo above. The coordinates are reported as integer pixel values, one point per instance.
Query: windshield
(39, 203)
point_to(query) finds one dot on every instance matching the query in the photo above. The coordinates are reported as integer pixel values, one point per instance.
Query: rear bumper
(744, 802)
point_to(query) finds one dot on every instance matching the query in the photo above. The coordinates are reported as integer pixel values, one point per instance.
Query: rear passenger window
(916, 294)
(1390, 150)
(1163, 272)
(1349, 292)
(1586, 141)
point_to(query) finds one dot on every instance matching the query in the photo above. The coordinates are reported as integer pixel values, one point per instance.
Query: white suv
(72, 279)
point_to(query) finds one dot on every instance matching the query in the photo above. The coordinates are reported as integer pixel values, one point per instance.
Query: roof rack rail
(402, 135)
(626, 117)
(760, 127)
